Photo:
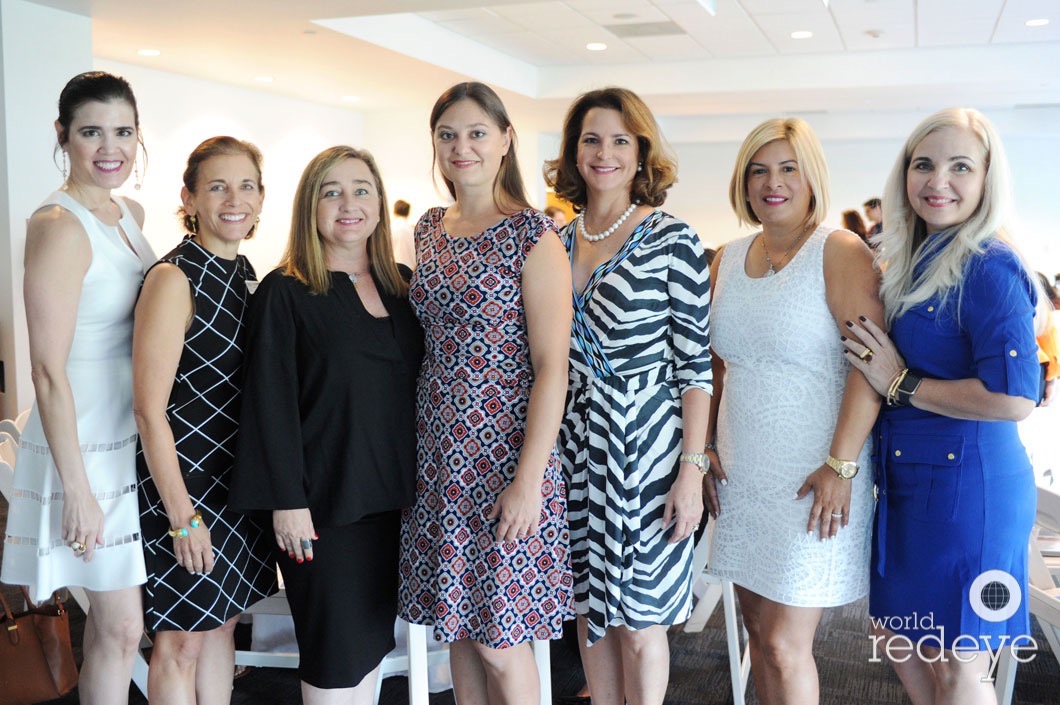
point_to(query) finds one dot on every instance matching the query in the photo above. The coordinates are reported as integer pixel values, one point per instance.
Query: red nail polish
(299, 560)
(291, 555)
(309, 558)
(315, 537)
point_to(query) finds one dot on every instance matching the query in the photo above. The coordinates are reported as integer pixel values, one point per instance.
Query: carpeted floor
(699, 673)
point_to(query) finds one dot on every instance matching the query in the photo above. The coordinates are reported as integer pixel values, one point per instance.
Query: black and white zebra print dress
(639, 340)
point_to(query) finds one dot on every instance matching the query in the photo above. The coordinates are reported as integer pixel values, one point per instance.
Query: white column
(40, 50)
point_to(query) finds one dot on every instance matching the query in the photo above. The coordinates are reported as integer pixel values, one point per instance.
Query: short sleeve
(269, 471)
(688, 286)
(997, 313)
(534, 225)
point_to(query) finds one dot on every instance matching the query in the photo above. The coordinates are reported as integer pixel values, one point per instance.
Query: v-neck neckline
(611, 263)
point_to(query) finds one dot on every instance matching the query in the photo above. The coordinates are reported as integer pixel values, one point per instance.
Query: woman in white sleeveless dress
(792, 419)
(74, 518)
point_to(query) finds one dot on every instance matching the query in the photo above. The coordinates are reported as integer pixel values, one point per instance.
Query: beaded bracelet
(196, 522)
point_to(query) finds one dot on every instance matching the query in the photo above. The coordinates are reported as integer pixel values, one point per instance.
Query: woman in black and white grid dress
(205, 563)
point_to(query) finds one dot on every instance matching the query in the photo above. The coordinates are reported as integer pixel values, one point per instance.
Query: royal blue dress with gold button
(957, 497)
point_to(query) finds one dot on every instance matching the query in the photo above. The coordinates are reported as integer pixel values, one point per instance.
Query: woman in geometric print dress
(73, 517)
(484, 555)
(640, 384)
(205, 563)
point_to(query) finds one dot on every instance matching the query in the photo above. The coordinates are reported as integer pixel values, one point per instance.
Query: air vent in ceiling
(644, 29)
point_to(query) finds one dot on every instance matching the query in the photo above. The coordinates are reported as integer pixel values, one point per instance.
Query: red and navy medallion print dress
(472, 398)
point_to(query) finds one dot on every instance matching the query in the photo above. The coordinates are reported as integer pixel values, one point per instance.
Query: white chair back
(11, 428)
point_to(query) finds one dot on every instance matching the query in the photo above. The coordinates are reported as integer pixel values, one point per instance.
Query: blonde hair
(904, 231)
(304, 257)
(808, 152)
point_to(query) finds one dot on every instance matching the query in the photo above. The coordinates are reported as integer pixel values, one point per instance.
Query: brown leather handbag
(36, 659)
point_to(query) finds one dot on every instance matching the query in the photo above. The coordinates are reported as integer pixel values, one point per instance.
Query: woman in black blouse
(327, 435)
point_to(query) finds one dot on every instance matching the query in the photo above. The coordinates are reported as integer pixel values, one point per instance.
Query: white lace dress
(784, 379)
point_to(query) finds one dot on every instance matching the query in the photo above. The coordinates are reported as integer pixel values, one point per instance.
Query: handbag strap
(12, 625)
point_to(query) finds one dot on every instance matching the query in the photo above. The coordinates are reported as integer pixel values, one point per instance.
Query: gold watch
(846, 469)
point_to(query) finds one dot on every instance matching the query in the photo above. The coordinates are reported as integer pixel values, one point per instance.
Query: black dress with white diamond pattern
(203, 412)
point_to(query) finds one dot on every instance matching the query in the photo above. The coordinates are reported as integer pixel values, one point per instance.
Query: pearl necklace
(610, 231)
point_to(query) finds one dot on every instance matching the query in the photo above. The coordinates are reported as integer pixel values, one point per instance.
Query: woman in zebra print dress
(640, 385)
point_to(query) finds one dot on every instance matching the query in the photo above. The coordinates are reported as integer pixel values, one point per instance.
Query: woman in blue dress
(958, 369)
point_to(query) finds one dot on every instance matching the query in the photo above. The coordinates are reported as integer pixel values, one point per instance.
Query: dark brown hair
(95, 87)
(659, 171)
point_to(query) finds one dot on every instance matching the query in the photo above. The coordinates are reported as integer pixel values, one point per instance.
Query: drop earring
(136, 173)
(640, 167)
(193, 222)
(66, 171)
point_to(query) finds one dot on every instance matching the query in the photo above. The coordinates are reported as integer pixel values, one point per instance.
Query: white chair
(1043, 594)
(710, 589)
(11, 428)
(20, 420)
(416, 661)
(7, 465)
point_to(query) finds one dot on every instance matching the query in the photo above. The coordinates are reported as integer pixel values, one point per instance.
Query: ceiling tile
(778, 29)
(956, 22)
(679, 48)
(1012, 27)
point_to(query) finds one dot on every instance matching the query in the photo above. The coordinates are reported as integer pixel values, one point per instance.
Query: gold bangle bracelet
(195, 523)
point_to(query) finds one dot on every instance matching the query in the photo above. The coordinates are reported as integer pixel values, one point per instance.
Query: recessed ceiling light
(596, 46)
(149, 52)
(263, 79)
(801, 34)
(351, 98)
(1041, 22)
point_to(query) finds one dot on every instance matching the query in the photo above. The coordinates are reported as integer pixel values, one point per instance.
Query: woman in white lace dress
(792, 417)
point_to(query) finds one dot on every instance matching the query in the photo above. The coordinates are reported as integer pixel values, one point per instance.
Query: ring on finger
(306, 544)
(866, 354)
(78, 548)
(837, 516)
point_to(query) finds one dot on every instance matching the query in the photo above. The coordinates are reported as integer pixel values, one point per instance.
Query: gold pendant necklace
(772, 270)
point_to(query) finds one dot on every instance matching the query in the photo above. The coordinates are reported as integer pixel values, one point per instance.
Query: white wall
(33, 68)
(177, 113)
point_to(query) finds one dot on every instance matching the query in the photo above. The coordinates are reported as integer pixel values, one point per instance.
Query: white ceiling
(865, 54)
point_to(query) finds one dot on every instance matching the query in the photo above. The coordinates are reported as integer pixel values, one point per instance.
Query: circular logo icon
(995, 595)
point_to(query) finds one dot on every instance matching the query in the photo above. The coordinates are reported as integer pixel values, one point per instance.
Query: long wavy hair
(509, 191)
(904, 232)
(304, 257)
